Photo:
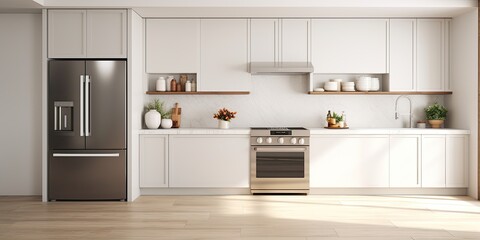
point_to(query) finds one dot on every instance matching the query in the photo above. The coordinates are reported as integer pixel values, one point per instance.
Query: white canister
(188, 86)
(169, 79)
(374, 84)
(167, 123)
(194, 86)
(339, 83)
(153, 119)
(161, 85)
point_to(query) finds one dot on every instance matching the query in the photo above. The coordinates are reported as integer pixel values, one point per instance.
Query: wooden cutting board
(176, 116)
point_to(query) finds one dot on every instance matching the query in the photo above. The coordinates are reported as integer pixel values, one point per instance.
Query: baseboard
(313, 191)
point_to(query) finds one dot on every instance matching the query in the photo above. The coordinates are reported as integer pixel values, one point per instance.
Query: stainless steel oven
(279, 160)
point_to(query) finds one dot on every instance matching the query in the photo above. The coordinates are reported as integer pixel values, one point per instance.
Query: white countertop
(313, 131)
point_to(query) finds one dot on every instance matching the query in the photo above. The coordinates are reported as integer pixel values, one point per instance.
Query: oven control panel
(280, 140)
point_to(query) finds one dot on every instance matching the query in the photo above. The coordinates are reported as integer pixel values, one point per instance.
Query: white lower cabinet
(153, 161)
(213, 161)
(433, 160)
(349, 161)
(404, 161)
(456, 161)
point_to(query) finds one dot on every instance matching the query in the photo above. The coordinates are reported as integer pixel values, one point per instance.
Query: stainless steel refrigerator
(87, 130)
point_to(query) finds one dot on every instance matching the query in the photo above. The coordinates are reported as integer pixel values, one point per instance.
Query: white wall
(21, 104)
(463, 104)
(282, 100)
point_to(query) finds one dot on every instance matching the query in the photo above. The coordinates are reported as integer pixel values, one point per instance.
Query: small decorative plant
(224, 114)
(159, 106)
(436, 112)
(337, 117)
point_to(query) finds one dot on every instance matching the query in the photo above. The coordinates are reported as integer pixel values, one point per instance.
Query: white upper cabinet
(349, 45)
(67, 33)
(172, 45)
(433, 160)
(456, 161)
(153, 161)
(430, 54)
(402, 55)
(107, 33)
(264, 40)
(280, 40)
(404, 161)
(87, 33)
(224, 55)
(295, 40)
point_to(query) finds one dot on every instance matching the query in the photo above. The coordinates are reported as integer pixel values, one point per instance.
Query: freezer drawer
(87, 175)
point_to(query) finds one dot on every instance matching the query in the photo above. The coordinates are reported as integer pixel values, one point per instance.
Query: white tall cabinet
(224, 55)
(405, 161)
(173, 45)
(349, 45)
(87, 33)
(153, 161)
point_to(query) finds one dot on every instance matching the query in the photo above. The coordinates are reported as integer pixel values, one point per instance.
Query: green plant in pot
(436, 115)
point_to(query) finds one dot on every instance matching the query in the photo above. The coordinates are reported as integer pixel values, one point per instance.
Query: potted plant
(166, 118)
(155, 113)
(436, 115)
(224, 116)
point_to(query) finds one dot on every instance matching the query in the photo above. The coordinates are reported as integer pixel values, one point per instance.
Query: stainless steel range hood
(285, 67)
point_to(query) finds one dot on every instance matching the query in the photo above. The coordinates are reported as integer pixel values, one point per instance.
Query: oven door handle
(259, 149)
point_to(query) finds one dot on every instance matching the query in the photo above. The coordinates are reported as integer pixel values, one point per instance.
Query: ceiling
(260, 8)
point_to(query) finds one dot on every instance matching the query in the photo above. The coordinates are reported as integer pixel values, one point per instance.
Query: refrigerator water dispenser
(63, 113)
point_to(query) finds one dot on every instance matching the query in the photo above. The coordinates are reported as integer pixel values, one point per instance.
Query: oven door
(279, 168)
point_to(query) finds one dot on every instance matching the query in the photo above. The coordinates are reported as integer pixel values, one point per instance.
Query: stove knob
(259, 140)
(281, 140)
(301, 141)
(269, 140)
(293, 141)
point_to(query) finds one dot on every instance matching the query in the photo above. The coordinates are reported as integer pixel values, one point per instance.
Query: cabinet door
(430, 54)
(224, 55)
(404, 161)
(433, 161)
(349, 161)
(153, 161)
(209, 161)
(106, 33)
(456, 161)
(402, 55)
(264, 40)
(172, 45)
(349, 45)
(295, 40)
(67, 31)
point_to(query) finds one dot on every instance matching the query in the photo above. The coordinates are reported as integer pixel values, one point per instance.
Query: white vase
(167, 123)
(161, 85)
(223, 124)
(153, 119)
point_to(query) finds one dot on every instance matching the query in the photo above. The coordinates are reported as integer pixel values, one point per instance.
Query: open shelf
(380, 93)
(197, 93)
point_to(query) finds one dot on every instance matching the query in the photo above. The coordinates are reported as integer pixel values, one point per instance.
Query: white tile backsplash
(282, 100)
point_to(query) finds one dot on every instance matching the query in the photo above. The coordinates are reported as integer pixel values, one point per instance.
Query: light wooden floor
(244, 217)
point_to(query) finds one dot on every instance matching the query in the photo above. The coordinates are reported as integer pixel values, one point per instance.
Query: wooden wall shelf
(380, 93)
(197, 93)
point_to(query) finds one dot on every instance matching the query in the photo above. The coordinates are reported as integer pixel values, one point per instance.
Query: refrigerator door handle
(86, 154)
(87, 106)
(82, 92)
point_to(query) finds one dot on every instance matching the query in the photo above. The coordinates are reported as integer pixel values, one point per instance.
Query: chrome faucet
(396, 109)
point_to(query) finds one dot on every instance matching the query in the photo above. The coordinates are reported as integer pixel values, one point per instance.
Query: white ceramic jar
(153, 119)
(161, 85)
(167, 123)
